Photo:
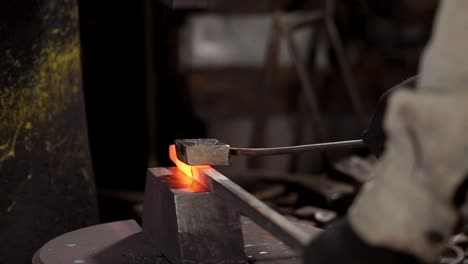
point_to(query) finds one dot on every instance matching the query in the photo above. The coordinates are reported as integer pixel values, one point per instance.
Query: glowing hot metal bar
(192, 171)
(245, 203)
(187, 169)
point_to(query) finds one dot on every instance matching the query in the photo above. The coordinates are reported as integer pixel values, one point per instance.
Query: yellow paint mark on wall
(11, 152)
(48, 86)
(40, 95)
(85, 174)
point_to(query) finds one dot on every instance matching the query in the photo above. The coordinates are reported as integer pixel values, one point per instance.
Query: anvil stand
(183, 238)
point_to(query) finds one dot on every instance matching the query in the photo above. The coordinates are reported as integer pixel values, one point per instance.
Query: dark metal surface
(237, 198)
(188, 223)
(110, 243)
(261, 247)
(124, 243)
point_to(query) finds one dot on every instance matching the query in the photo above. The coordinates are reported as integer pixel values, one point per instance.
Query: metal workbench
(124, 243)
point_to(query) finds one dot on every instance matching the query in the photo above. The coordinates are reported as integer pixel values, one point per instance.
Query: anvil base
(187, 223)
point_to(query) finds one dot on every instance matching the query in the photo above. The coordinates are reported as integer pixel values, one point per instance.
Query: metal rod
(248, 205)
(295, 149)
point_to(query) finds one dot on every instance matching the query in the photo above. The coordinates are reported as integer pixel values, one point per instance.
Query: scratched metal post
(187, 223)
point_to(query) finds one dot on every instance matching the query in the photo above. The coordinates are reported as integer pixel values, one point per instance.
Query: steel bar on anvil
(257, 211)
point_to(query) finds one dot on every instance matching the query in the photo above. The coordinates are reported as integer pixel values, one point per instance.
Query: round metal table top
(124, 242)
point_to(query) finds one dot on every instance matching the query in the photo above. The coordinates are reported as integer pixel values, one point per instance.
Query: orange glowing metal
(187, 169)
(192, 171)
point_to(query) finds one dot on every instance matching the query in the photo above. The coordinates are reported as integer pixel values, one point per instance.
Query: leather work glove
(410, 205)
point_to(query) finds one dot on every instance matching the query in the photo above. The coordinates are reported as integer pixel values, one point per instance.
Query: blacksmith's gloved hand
(411, 206)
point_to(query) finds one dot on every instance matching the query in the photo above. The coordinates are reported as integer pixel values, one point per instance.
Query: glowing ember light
(187, 169)
(192, 171)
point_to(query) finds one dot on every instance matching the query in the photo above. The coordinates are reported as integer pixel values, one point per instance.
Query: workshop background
(152, 74)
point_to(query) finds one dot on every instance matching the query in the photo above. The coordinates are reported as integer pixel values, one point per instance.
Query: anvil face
(189, 224)
(205, 151)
